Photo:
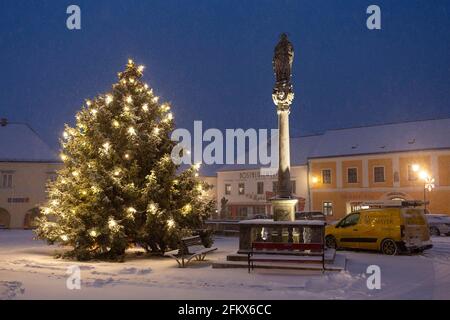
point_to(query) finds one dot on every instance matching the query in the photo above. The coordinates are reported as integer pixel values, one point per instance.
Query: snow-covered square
(28, 270)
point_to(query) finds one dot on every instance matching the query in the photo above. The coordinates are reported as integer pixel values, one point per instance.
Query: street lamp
(428, 186)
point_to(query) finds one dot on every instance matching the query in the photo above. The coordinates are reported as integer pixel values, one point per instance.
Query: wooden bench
(286, 253)
(189, 248)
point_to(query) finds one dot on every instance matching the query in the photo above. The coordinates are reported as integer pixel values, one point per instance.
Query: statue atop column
(283, 93)
(282, 60)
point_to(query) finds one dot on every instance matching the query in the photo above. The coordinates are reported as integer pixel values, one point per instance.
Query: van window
(414, 216)
(351, 220)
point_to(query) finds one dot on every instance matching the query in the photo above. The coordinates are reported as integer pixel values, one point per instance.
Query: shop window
(228, 189)
(242, 212)
(327, 208)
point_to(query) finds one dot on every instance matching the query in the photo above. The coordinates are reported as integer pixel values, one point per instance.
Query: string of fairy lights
(107, 148)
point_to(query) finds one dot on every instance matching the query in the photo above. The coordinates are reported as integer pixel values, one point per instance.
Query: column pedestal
(283, 209)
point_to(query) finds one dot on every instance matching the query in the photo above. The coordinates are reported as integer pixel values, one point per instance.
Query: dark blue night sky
(212, 60)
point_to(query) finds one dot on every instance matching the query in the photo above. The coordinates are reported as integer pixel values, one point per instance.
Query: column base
(283, 209)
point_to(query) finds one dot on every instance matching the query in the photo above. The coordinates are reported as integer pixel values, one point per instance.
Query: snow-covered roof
(19, 143)
(397, 137)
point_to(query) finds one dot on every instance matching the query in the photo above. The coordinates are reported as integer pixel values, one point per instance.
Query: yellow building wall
(423, 161)
(316, 172)
(352, 164)
(444, 170)
(388, 176)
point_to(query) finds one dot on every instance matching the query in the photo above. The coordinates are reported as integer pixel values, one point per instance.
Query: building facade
(341, 185)
(26, 164)
(337, 171)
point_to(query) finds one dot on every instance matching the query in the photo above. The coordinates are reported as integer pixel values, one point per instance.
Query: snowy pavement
(29, 271)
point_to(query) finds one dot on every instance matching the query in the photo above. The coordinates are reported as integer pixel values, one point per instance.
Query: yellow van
(390, 229)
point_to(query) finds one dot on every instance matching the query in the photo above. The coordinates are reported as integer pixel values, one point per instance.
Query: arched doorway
(401, 196)
(5, 219)
(30, 218)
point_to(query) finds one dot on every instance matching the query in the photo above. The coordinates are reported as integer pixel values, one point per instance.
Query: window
(352, 175)
(350, 220)
(242, 212)
(293, 187)
(412, 175)
(327, 208)
(241, 188)
(228, 189)
(7, 180)
(326, 176)
(260, 187)
(378, 174)
(275, 186)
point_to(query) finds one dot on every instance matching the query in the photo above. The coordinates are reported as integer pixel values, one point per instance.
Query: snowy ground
(28, 271)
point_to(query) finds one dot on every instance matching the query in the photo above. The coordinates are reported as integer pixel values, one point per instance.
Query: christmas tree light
(108, 99)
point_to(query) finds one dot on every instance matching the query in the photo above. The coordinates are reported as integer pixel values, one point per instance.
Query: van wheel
(435, 231)
(389, 247)
(330, 242)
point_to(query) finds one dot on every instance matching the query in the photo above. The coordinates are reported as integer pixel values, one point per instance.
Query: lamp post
(428, 185)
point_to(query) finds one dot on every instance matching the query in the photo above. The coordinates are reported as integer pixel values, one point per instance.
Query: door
(369, 229)
(349, 232)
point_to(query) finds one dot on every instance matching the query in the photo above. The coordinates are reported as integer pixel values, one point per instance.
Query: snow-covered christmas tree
(119, 186)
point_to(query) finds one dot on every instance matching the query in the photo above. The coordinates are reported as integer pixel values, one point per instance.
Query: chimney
(3, 122)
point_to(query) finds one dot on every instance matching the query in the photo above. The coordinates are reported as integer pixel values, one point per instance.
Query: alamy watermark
(73, 281)
(73, 22)
(374, 280)
(236, 146)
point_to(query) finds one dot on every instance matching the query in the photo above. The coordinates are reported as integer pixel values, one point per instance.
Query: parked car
(310, 215)
(439, 224)
(390, 230)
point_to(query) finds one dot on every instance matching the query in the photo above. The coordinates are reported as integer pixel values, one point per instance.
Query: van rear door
(415, 232)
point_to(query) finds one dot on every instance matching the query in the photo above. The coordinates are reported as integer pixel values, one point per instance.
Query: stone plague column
(283, 94)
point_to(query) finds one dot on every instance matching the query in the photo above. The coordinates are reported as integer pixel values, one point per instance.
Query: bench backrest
(276, 246)
(187, 242)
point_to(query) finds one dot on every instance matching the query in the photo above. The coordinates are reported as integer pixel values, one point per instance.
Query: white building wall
(250, 178)
(27, 190)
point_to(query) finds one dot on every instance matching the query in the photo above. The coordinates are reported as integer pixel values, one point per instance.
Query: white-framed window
(260, 187)
(327, 208)
(227, 188)
(7, 179)
(378, 174)
(326, 176)
(352, 175)
(241, 188)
